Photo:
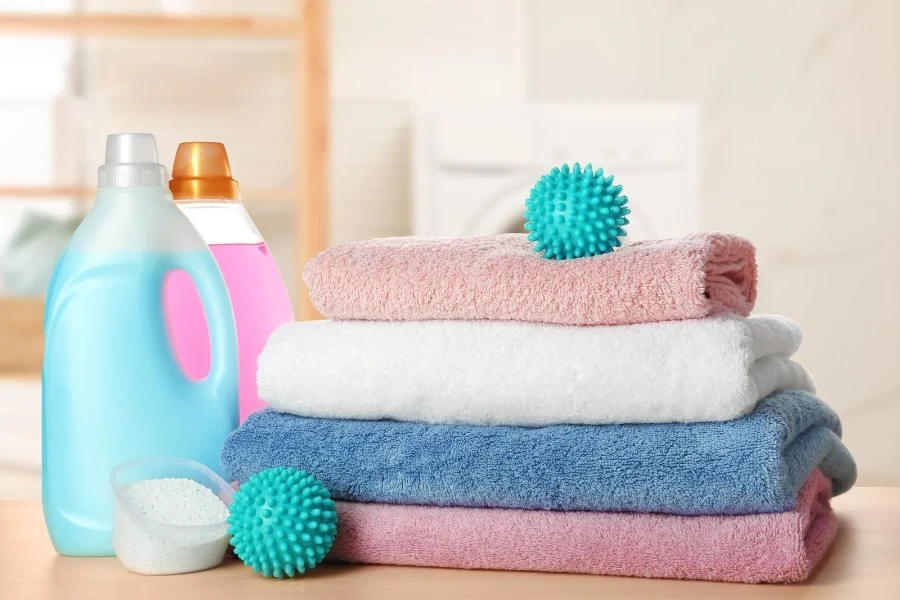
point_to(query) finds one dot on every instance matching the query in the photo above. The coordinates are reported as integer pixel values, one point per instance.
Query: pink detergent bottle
(202, 187)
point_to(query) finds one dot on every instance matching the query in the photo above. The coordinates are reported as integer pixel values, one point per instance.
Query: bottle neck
(131, 175)
(109, 195)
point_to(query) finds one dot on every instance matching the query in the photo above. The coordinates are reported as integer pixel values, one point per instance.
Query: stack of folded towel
(474, 405)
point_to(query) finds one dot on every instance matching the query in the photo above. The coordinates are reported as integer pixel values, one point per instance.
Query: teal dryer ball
(283, 522)
(575, 212)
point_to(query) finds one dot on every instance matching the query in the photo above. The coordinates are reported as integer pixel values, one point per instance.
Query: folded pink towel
(502, 278)
(776, 547)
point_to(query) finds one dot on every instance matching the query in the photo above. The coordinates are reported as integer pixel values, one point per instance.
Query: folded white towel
(512, 373)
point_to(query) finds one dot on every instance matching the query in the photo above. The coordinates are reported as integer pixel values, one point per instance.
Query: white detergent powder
(170, 543)
(176, 501)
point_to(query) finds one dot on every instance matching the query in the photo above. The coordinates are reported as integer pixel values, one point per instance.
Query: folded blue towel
(750, 465)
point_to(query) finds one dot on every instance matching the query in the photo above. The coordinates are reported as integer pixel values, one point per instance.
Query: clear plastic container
(146, 546)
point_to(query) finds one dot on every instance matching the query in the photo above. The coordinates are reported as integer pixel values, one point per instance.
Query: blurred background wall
(800, 111)
(784, 119)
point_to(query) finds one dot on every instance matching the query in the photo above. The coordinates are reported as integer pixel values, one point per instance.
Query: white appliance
(473, 168)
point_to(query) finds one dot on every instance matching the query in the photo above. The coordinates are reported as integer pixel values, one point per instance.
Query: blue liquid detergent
(112, 388)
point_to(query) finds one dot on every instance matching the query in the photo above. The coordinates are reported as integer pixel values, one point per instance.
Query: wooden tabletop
(864, 564)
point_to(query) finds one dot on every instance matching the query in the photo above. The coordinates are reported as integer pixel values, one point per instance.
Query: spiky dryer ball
(283, 522)
(573, 212)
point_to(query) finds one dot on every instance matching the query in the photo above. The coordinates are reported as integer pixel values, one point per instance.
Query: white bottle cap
(131, 161)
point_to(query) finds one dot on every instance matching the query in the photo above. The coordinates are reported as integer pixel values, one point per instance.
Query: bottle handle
(217, 308)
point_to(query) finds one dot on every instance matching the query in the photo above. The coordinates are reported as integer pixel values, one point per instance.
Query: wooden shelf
(22, 337)
(27, 192)
(308, 31)
(314, 135)
(148, 25)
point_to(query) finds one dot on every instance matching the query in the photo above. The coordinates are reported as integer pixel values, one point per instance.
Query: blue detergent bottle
(112, 387)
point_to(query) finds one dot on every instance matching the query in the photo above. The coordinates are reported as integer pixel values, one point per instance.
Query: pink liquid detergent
(204, 190)
(260, 303)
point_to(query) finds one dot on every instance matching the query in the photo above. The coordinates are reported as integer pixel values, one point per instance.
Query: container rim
(145, 521)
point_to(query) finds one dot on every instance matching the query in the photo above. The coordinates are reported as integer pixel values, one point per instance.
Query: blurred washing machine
(473, 168)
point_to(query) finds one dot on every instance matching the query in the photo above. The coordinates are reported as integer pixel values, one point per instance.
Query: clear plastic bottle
(203, 188)
(112, 389)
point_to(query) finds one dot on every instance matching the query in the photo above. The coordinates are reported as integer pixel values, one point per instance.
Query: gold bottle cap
(202, 172)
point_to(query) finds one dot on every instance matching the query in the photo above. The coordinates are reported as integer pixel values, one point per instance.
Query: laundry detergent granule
(184, 528)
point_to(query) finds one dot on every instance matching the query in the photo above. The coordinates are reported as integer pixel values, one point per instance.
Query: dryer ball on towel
(283, 522)
(573, 213)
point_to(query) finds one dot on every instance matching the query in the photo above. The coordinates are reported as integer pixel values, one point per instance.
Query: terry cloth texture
(502, 278)
(778, 547)
(755, 464)
(514, 373)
